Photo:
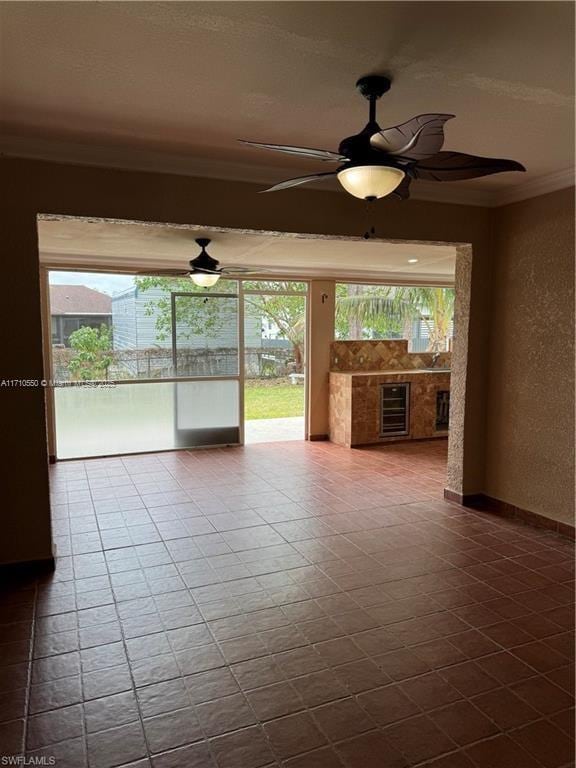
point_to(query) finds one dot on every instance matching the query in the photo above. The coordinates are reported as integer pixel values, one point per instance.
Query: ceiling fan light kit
(204, 270)
(378, 161)
(370, 182)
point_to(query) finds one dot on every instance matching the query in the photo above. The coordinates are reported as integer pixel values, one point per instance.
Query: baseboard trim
(315, 438)
(27, 568)
(484, 503)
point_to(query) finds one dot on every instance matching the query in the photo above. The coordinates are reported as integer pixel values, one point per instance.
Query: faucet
(435, 358)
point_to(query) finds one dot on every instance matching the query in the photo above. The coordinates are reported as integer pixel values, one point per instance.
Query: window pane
(206, 340)
(109, 326)
(421, 315)
(127, 418)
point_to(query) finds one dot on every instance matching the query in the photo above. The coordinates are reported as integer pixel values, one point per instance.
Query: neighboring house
(77, 306)
(140, 352)
(134, 318)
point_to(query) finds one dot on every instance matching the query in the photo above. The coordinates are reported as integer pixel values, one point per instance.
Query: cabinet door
(394, 409)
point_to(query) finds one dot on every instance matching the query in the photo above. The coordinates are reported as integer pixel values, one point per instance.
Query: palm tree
(434, 307)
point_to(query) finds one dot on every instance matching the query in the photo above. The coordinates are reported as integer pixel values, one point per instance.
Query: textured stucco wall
(530, 406)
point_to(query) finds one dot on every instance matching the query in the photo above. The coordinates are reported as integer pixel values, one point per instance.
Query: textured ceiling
(189, 78)
(78, 243)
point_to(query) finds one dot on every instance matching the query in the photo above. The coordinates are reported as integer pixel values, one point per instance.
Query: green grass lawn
(273, 400)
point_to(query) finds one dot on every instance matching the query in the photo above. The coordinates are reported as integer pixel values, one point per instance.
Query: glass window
(121, 327)
(125, 418)
(423, 315)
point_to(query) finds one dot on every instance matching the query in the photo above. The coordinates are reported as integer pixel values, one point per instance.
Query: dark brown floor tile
(539, 656)
(172, 729)
(376, 641)
(387, 705)
(226, 714)
(401, 664)
(55, 694)
(362, 675)
(563, 677)
(274, 701)
(463, 723)
(418, 739)
(212, 684)
(293, 735)
(325, 757)
(430, 691)
(505, 708)
(162, 697)
(500, 752)
(192, 756)
(507, 634)
(339, 651)
(70, 753)
(505, 668)
(565, 721)
(342, 719)
(474, 644)
(469, 678)
(319, 687)
(300, 661)
(369, 751)
(116, 746)
(111, 711)
(546, 743)
(439, 653)
(12, 737)
(13, 705)
(454, 760)
(543, 695)
(105, 682)
(50, 727)
(247, 748)
(257, 672)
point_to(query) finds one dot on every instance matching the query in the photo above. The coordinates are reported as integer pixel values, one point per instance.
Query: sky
(99, 281)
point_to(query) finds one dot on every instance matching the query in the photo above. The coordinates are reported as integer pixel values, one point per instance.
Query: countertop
(410, 372)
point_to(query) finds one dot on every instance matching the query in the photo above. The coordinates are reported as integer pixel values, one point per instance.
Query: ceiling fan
(380, 161)
(204, 270)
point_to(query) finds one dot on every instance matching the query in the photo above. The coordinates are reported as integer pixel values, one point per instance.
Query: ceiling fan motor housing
(204, 262)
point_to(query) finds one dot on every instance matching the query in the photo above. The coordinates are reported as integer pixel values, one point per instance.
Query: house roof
(78, 300)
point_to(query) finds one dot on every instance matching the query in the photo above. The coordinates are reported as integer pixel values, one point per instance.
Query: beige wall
(321, 298)
(530, 428)
(36, 187)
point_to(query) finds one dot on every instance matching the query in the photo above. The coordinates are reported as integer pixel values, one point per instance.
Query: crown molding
(136, 159)
(543, 185)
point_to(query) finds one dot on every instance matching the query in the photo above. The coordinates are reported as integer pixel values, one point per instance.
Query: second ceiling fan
(381, 161)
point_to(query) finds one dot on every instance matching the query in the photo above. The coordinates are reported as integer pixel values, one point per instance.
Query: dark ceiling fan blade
(456, 166)
(298, 180)
(317, 154)
(403, 189)
(416, 139)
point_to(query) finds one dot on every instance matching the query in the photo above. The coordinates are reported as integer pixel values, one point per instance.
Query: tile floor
(296, 605)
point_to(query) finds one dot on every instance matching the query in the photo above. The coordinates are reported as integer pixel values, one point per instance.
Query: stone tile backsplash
(380, 355)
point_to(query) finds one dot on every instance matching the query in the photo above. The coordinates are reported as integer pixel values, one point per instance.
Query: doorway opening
(275, 381)
(120, 248)
(150, 363)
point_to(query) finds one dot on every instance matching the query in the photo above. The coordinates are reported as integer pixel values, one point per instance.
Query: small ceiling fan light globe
(370, 182)
(204, 280)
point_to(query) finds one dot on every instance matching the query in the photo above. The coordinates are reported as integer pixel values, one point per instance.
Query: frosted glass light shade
(204, 280)
(370, 182)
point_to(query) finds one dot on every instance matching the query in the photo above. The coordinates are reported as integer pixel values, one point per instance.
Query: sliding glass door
(143, 364)
(207, 404)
